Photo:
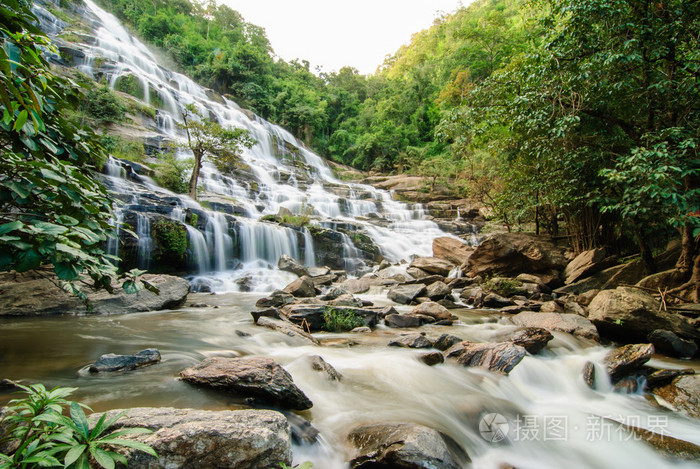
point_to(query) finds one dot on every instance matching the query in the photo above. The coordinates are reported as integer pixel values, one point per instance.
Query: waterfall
(309, 254)
(145, 243)
(219, 242)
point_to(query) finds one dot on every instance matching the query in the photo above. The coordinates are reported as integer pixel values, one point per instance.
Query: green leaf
(8, 227)
(50, 229)
(150, 287)
(21, 119)
(131, 444)
(28, 260)
(131, 287)
(81, 423)
(73, 454)
(102, 457)
(66, 271)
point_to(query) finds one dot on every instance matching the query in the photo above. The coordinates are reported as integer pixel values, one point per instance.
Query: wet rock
(433, 265)
(189, 438)
(492, 300)
(434, 310)
(452, 250)
(267, 313)
(535, 279)
(670, 447)
(473, 296)
(319, 271)
(404, 294)
(303, 432)
(411, 341)
(334, 293)
(361, 330)
(111, 362)
(417, 273)
(437, 291)
(319, 364)
(386, 311)
(514, 253)
(445, 341)
(449, 304)
(532, 339)
(515, 309)
(583, 265)
(308, 317)
(260, 378)
(288, 329)
(683, 394)
(432, 358)
(277, 299)
(322, 280)
(660, 378)
(356, 285)
(551, 307)
(500, 357)
(589, 374)
(403, 445)
(570, 323)
(624, 360)
(402, 320)
(301, 288)
(241, 333)
(629, 314)
(288, 264)
(670, 344)
(347, 300)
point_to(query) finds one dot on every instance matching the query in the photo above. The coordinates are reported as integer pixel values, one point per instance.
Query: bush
(118, 147)
(44, 437)
(503, 286)
(171, 237)
(341, 320)
(173, 173)
(103, 105)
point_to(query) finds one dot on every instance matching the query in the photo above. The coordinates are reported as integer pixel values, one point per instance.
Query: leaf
(131, 287)
(131, 444)
(102, 457)
(8, 227)
(21, 119)
(28, 260)
(66, 270)
(150, 287)
(80, 420)
(73, 454)
(50, 228)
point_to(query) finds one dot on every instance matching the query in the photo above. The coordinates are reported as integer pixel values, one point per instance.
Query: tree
(206, 137)
(52, 208)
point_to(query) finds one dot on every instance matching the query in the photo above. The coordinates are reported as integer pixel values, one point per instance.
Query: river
(554, 419)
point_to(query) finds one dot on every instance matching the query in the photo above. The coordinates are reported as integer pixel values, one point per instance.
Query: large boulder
(452, 250)
(437, 290)
(683, 394)
(586, 263)
(113, 362)
(570, 323)
(411, 341)
(627, 359)
(500, 357)
(402, 320)
(670, 344)
(277, 299)
(514, 253)
(35, 294)
(434, 310)
(433, 265)
(532, 339)
(404, 445)
(630, 315)
(189, 438)
(260, 378)
(404, 294)
(289, 264)
(302, 287)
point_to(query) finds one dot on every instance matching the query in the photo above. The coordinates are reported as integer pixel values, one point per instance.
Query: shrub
(103, 105)
(503, 286)
(44, 437)
(118, 147)
(341, 320)
(171, 237)
(173, 173)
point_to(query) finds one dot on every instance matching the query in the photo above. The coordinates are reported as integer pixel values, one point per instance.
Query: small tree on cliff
(206, 137)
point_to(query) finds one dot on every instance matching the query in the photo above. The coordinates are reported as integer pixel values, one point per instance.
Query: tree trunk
(695, 280)
(647, 257)
(685, 261)
(195, 176)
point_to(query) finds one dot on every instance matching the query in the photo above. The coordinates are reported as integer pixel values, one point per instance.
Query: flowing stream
(554, 419)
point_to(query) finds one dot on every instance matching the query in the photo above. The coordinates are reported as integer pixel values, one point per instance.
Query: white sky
(335, 33)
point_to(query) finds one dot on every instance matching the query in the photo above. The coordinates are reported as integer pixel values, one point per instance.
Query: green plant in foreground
(41, 436)
(341, 320)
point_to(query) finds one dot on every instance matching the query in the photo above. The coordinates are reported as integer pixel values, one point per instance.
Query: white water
(285, 175)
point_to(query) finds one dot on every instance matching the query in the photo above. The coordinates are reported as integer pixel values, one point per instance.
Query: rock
(589, 374)
(437, 291)
(308, 317)
(536, 279)
(449, 304)
(334, 293)
(660, 378)
(386, 311)
(452, 250)
(630, 315)
(433, 265)
(267, 313)
(319, 272)
(624, 360)
(404, 445)
(277, 299)
(319, 364)
(404, 294)
(532, 339)
(411, 341)
(417, 273)
(429, 280)
(361, 330)
(288, 329)
(260, 378)
(301, 288)
(515, 253)
(346, 300)
(683, 394)
(492, 300)
(432, 358)
(445, 341)
(670, 344)
(112, 362)
(402, 320)
(434, 310)
(322, 280)
(551, 307)
(583, 265)
(34, 294)
(356, 285)
(472, 296)
(672, 448)
(500, 357)
(189, 438)
(571, 323)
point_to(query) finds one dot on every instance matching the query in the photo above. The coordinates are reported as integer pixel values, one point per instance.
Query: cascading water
(145, 243)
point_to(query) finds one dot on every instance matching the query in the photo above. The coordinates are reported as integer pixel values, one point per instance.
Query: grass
(341, 320)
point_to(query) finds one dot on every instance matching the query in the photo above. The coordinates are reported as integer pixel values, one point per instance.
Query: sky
(335, 33)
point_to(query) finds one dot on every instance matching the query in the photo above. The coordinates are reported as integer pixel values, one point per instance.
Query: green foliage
(206, 137)
(503, 286)
(171, 239)
(172, 172)
(44, 437)
(119, 147)
(341, 320)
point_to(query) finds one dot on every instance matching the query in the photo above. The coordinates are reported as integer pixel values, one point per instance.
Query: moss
(503, 286)
(129, 84)
(171, 239)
